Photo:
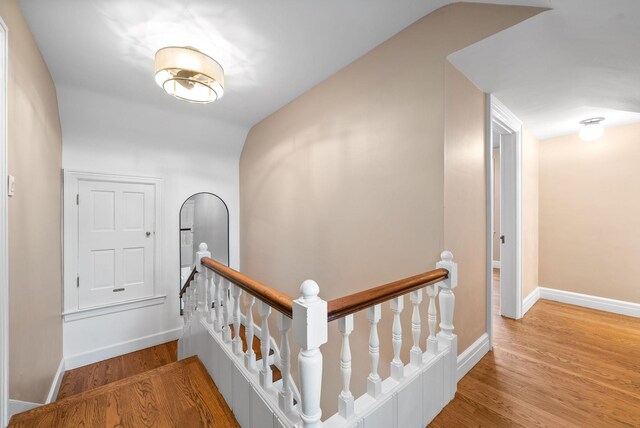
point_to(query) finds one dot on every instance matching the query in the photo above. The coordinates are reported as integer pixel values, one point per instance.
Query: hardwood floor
(559, 366)
(180, 394)
(94, 375)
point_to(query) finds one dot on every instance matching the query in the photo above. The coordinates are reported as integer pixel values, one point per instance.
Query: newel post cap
(446, 262)
(310, 317)
(203, 247)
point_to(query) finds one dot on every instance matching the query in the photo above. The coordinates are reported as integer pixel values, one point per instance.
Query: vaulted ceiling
(578, 60)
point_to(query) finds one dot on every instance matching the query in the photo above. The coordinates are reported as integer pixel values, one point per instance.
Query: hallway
(560, 365)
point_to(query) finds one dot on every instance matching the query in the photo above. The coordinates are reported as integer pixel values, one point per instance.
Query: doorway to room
(505, 207)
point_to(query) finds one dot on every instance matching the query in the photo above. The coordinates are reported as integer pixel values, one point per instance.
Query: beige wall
(530, 230)
(346, 184)
(35, 272)
(465, 227)
(590, 214)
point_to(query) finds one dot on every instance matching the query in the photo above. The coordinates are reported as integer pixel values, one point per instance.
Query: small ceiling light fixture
(189, 75)
(591, 129)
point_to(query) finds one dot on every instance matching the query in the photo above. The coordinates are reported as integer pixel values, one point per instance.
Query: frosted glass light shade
(189, 75)
(591, 129)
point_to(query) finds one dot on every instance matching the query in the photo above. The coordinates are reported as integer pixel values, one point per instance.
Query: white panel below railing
(412, 402)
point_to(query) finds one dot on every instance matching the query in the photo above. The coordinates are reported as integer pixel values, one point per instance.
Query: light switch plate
(11, 186)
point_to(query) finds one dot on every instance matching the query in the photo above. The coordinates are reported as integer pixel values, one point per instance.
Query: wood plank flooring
(95, 375)
(559, 366)
(179, 394)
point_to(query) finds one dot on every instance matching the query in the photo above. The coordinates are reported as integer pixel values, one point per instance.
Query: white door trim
(71, 183)
(4, 231)
(501, 115)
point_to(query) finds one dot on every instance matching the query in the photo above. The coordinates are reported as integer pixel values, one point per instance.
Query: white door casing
(501, 120)
(186, 236)
(116, 204)
(116, 235)
(4, 235)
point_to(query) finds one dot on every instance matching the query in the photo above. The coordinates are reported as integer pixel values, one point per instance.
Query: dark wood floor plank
(104, 372)
(179, 394)
(560, 365)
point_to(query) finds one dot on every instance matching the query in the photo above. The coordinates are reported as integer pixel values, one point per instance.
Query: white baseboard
(100, 354)
(495, 264)
(530, 300)
(472, 355)
(594, 302)
(57, 380)
(16, 406)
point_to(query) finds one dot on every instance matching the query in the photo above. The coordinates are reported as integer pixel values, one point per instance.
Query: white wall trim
(113, 308)
(530, 300)
(472, 355)
(70, 229)
(55, 385)
(4, 234)
(104, 353)
(495, 264)
(620, 307)
(17, 406)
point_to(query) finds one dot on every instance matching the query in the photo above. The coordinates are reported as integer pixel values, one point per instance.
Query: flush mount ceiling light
(591, 129)
(189, 75)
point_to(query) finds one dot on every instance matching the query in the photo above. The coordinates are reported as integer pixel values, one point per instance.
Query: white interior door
(116, 235)
(508, 225)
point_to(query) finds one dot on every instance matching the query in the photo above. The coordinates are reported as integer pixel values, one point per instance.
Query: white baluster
(237, 341)
(310, 332)
(446, 336)
(374, 383)
(345, 399)
(416, 352)
(217, 293)
(397, 367)
(265, 371)
(226, 331)
(432, 316)
(207, 289)
(285, 397)
(250, 355)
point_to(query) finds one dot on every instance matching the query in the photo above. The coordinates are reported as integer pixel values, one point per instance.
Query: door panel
(508, 225)
(116, 242)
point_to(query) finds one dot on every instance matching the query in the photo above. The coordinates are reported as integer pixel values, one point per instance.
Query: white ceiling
(579, 60)
(271, 50)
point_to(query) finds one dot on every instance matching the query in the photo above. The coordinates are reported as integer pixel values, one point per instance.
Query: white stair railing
(308, 317)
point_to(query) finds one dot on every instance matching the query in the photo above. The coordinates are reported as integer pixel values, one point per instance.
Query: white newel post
(250, 355)
(416, 352)
(374, 383)
(237, 341)
(266, 376)
(446, 336)
(285, 397)
(201, 300)
(345, 399)
(310, 332)
(397, 367)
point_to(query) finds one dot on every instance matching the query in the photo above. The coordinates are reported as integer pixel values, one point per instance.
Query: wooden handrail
(338, 308)
(188, 282)
(279, 301)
